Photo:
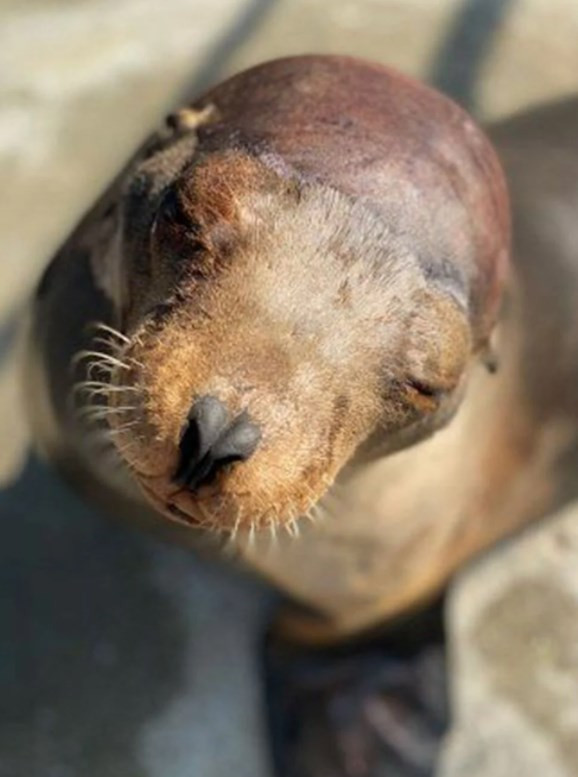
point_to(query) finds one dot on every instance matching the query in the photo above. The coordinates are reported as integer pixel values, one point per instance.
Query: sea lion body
(320, 246)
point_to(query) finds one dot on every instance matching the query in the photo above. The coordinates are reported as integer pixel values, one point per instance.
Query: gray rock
(513, 621)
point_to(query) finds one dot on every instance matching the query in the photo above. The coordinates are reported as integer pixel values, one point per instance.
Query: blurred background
(120, 657)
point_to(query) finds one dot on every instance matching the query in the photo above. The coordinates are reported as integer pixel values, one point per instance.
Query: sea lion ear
(189, 119)
(490, 355)
(490, 360)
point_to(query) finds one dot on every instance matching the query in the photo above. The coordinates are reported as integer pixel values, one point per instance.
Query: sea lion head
(274, 324)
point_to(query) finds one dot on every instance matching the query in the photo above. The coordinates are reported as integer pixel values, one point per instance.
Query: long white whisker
(96, 387)
(123, 428)
(235, 528)
(91, 384)
(105, 369)
(99, 325)
(99, 356)
(108, 343)
(98, 412)
(272, 533)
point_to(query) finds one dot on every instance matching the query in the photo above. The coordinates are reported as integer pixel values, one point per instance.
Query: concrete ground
(123, 657)
(120, 657)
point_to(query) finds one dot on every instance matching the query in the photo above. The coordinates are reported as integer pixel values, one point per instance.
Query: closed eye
(425, 389)
(424, 396)
(177, 226)
(173, 212)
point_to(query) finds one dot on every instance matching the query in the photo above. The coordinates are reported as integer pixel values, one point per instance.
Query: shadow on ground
(98, 651)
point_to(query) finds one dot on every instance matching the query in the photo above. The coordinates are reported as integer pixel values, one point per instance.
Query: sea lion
(297, 288)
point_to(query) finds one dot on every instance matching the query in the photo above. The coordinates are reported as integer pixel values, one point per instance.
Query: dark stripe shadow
(456, 66)
(238, 33)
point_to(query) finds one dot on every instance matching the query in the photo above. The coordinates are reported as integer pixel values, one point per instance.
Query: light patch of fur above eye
(320, 262)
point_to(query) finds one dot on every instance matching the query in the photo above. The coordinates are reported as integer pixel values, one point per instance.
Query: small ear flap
(490, 356)
(189, 119)
(490, 361)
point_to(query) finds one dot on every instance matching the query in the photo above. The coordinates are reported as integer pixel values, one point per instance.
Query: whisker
(107, 409)
(293, 528)
(105, 369)
(309, 516)
(99, 325)
(233, 535)
(97, 387)
(97, 415)
(90, 384)
(273, 541)
(90, 395)
(108, 343)
(99, 356)
(123, 428)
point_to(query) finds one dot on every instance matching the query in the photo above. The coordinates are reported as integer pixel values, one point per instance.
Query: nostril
(239, 441)
(206, 421)
(209, 442)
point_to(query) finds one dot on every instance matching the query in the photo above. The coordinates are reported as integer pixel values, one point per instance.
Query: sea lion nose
(210, 440)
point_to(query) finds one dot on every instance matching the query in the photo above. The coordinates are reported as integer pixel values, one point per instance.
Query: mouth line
(179, 514)
(199, 516)
(163, 505)
(173, 511)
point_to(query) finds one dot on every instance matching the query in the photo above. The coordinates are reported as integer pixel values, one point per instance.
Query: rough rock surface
(513, 621)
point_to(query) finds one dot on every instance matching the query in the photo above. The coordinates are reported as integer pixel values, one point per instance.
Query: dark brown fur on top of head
(371, 132)
(293, 294)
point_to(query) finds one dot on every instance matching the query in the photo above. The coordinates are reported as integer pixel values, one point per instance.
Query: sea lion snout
(219, 436)
(210, 441)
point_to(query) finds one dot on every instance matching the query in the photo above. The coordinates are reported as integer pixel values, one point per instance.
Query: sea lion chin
(299, 281)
